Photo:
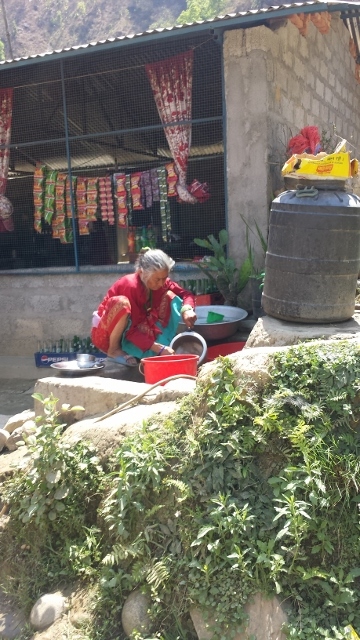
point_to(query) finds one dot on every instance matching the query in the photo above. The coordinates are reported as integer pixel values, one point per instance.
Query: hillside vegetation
(238, 491)
(35, 26)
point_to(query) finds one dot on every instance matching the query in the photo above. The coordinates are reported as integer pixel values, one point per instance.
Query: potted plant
(257, 276)
(229, 279)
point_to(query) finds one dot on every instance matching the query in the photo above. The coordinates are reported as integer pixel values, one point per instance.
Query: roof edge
(243, 19)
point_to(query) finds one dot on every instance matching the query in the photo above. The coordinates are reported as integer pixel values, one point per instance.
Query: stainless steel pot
(190, 342)
(217, 330)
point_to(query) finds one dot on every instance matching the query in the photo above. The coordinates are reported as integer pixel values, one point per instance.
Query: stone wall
(276, 82)
(43, 307)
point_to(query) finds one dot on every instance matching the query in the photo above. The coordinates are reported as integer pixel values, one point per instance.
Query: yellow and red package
(39, 188)
(136, 191)
(121, 199)
(171, 179)
(106, 200)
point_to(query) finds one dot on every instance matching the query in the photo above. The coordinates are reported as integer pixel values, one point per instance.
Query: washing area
(106, 387)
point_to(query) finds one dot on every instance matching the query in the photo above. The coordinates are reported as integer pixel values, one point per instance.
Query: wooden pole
(7, 29)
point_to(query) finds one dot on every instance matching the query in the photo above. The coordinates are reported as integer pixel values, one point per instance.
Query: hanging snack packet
(164, 204)
(60, 206)
(68, 193)
(39, 188)
(92, 195)
(172, 179)
(84, 228)
(106, 200)
(121, 198)
(49, 200)
(81, 198)
(136, 191)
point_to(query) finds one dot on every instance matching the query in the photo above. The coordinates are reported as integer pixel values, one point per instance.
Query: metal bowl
(190, 342)
(85, 360)
(216, 330)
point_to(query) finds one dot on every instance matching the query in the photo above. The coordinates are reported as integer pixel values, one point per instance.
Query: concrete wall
(276, 82)
(46, 307)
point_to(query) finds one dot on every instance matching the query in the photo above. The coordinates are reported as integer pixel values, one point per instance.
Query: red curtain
(6, 99)
(171, 83)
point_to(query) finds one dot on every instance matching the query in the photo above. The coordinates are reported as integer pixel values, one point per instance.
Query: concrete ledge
(98, 395)
(107, 434)
(269, 332)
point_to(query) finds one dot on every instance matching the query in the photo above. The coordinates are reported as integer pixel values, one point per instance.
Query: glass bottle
(131, 240)
(138, 240)
(144, 237)
(151, 237)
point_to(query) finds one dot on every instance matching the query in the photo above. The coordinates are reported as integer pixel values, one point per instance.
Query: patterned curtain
(6, 209)
(171, 83)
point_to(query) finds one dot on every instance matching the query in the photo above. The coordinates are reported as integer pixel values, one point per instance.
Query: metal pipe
(68, 158)
(153, 127)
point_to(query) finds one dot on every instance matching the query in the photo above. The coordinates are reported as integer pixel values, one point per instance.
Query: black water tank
(313, 257)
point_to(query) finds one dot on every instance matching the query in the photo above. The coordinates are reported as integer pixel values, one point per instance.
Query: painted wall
(276, 82)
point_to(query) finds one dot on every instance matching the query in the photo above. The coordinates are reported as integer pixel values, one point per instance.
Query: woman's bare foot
(118, 353)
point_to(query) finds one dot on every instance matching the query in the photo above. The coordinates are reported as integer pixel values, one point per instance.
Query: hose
(141, 395)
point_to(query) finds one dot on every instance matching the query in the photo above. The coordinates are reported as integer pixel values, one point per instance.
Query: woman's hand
(189, 318)
(162, 350)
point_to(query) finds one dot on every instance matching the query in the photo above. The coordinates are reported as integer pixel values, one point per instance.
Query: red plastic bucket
(158, 368)
(224, 349)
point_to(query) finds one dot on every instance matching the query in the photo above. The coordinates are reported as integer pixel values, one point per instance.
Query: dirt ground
(15, 396)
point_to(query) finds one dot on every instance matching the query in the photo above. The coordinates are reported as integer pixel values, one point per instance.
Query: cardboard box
(48, 358)
(335, 165)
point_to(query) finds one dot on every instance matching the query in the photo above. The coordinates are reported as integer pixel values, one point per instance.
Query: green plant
(255, 271)
(229, 279)
(248, 498)
(55, 496)
(235, 492)
(329, 139)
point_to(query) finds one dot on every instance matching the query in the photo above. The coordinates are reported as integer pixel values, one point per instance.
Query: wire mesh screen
(93, 174)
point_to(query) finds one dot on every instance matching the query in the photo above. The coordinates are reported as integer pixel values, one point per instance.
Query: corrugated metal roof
(242, 18)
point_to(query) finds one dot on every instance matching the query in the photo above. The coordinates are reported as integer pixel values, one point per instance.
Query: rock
(14, 440)
(265, 620)
(11, 461)
(134, 615)
(107, 434)
(27, 428)
(47, 609)
(18, 420)
(270, 332)
(176, 389)
(251, 368)
(4, 436)
(201, 624)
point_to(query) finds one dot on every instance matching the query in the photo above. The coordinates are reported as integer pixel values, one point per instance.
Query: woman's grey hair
(153, 260)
